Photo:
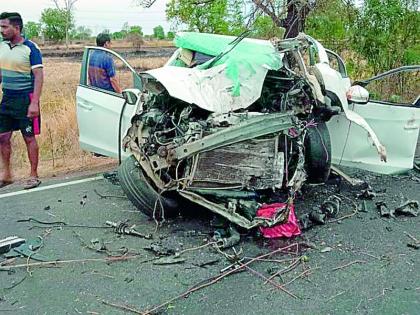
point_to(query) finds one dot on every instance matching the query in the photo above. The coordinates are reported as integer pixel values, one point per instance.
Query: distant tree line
(383, 32)
(58, 24)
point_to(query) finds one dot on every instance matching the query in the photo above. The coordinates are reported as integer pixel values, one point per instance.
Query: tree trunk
(295, 19)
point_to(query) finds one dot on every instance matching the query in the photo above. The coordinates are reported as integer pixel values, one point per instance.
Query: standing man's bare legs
(33, 153)
(5, 152)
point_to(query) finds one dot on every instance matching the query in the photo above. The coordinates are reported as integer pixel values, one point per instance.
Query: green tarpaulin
(247, 56)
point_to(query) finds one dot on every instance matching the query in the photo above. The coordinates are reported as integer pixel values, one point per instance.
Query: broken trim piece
(233, 217)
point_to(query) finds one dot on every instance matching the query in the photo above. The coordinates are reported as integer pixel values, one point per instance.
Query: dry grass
(142, 64)
(58, 142)
(115, 44)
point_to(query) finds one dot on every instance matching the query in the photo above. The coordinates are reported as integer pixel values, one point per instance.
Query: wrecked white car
(228, 124)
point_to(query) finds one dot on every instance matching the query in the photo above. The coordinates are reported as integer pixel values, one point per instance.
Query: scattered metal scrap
(10, 242)
(239, 265)
(83, 200)
(112, 177)
(102, 196)
(73, 261)
(367, 194)
(60, 224)
(415, 244)
(350, 180)
(123, 228)
(170, 260)
(383, 209)
(159, 250)
(331, 206)
(29, 249)
(227, 238)
(41, 222)
(328, 209)
(410, 207)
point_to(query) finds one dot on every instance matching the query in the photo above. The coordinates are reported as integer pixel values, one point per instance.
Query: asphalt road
(360, 264)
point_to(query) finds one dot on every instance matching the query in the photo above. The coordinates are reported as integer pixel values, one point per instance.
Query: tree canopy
(54, 23)
(158, 32)
(32, 30)
(386, 33)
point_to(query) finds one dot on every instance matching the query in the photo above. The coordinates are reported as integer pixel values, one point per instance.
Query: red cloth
(288, 229)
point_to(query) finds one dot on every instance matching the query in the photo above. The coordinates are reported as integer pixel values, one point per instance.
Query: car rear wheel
(142, 193)
(318, 153)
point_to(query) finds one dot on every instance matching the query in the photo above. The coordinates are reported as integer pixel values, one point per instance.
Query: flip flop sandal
(4, 183)
(32, 183)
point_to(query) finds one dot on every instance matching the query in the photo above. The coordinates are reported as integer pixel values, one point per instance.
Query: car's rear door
(98, 110)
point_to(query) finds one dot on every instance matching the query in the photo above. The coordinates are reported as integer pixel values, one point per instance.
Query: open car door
(98, 109)
(393, 112)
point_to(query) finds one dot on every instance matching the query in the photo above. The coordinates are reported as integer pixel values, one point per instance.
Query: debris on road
(383, 209)
(102, 196)
(326, 249)
(29, 249)
(83, 200)
(367, 194)
(10, 242)
(349, 264)
(410, 207)
(207, 263)
(319, 216)
(288, 229)
(123, 228)
(331, 206)
(170, 260)
(42, 222)
(159, 250)
(350, 180)
(111, 177)
(364, 207)
(194, 233)
(61, 224)
(227, 238)
(107, 260)
(239, 266)
(415, 244)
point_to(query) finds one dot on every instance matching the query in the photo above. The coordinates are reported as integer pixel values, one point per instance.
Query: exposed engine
(233, 162)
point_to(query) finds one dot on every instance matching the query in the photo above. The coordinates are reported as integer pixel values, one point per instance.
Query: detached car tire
(318, 153)
(142, 193)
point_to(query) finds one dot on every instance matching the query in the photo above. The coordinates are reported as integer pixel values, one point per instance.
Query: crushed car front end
(232, 124)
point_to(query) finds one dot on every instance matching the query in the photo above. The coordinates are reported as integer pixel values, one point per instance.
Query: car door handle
(85, 106)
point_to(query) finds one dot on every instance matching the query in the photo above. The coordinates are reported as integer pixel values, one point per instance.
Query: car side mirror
(358, 95)
(131, 96)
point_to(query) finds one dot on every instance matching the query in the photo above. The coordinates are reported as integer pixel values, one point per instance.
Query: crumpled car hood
(211, 89)
(233, 82)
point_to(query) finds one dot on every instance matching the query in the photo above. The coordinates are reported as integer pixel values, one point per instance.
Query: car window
(399, 88)
(104, 69)
(336, 63)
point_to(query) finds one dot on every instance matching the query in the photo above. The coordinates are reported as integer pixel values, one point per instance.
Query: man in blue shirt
(101, 66)
(21, 76)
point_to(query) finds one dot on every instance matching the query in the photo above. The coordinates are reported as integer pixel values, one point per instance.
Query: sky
(97, 14)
